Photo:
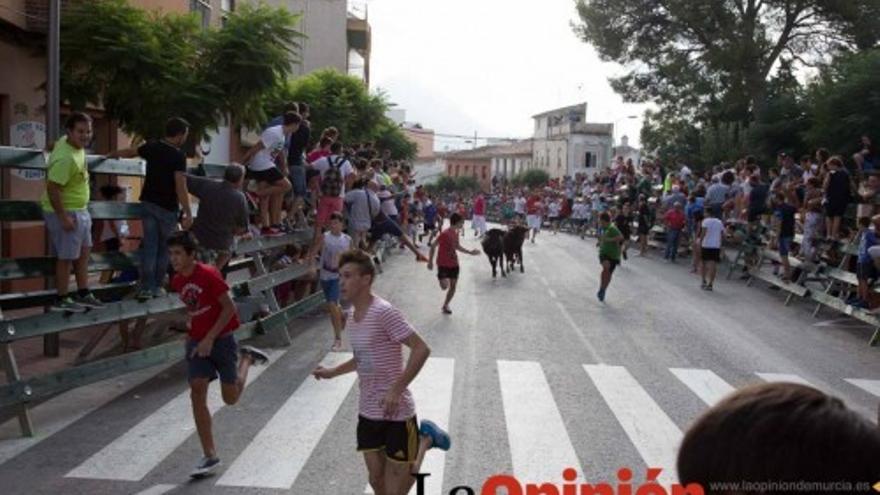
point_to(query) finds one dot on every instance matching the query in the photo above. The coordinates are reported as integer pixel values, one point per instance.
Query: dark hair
(779, 432)
(455, 218)
(233, 173)
(303, 107)
(836, 160)
(864, 222)
(76, 118)
(291, 107)
(325, 141)
(336, 216)
(175, 126)
(291, 118)
(728, 178)
(184, 239)
(336, 147)
(362, 260)
(604, 217)
(823, 155)
(110, 191)
(806, 158)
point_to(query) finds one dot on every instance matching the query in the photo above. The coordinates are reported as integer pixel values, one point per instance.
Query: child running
(211, 349)
(388, 435)
(331, 245)
(447, 248)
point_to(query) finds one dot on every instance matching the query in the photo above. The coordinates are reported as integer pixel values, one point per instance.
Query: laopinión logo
(624, 486)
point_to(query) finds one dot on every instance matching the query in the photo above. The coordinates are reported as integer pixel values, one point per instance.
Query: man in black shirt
(785, 212)
(164, 188)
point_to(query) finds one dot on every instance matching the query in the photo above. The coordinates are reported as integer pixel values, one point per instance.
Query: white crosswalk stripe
(432, 392)
(708, 386)
(651, 431)
(870, 386)
(783, 377)
(540, 446)
(149, 442)
(278, 453)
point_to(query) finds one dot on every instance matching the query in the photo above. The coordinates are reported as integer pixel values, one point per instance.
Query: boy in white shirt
(710, 244)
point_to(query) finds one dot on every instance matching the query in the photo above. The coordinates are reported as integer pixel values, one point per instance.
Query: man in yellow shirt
(65, 209)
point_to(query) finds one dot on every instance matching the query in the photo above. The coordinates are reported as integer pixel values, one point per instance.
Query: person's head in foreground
(778, 434)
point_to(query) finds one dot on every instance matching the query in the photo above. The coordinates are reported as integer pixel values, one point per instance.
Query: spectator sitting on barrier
(164, 188)
(779, 433)
(223, 214)
(65, 210)
(865, 270)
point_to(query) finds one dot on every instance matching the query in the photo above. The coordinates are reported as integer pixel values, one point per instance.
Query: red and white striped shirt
(378, 352)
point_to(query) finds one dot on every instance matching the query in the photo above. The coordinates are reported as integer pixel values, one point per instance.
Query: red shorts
(327, 206)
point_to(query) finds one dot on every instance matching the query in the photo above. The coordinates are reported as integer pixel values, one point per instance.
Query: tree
(531, 178)
(143, 68)
(712, 59)
(467, 183)
(342, 101)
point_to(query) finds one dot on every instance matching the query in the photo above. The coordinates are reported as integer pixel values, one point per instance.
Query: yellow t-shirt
(67, 168)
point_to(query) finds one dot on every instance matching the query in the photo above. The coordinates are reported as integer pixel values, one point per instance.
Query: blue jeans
(298, 179)
(159, 224)
(672, 236)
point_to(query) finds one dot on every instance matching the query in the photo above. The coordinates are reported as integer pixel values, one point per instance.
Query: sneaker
(257, 356)
(439, 438)
(704, 285)
(206, 467)
(270, 232)
(67, 305)
(144, 295)
(88, 301)
(160, 292)
(601, 295)
(446, 311)
(709, 288)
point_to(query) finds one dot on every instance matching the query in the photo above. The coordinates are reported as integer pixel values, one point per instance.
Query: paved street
(531, 375)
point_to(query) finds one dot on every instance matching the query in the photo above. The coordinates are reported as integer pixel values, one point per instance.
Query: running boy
(447, 247)
(331, 245)
(609, 251)
(387, 433)
(711, 231)
(211, 349)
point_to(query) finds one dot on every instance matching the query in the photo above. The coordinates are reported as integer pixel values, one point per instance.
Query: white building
(511, 158)
(627, 152)
(565, 144)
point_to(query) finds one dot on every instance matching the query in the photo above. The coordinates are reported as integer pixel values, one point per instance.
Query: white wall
(325, 24)
(219, 147)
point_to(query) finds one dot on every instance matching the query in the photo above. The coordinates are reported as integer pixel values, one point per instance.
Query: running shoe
(144, 295)
(160, 292)
(88, 301)
(206, 467)
(601, 295)
(439, 438)
(67, 305)
(271, 232)
(446, 311)
(257, 356)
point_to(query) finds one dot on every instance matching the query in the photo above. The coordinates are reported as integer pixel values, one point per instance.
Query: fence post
(12, 376)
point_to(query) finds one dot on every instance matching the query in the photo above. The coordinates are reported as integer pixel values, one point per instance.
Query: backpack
(331, 183)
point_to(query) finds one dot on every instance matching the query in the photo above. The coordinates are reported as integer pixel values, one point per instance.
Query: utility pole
(53, 82)
(475, 139)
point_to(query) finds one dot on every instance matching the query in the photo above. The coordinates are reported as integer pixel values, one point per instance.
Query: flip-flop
(439, 438)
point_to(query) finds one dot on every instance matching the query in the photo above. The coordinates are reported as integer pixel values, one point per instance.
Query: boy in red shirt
(447, 247)
(675, 222)
(535, 214)
(211, 349)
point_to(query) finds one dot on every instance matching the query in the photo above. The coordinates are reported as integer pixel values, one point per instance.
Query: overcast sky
(458, 66)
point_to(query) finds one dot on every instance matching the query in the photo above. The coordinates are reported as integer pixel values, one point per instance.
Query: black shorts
(387, 226)
(612, 264)
(710, 254)
(398, 439)
(429, 226)
(222, 362)
(866, 271)
(447, 272)
(269, 176)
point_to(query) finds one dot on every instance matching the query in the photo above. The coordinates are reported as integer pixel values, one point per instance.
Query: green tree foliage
(342, 101)
(712, 60)
(446, 184)
(531, 178)
(467, 183)
(144, 67)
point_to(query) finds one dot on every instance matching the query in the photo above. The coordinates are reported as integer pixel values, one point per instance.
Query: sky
(459, 66)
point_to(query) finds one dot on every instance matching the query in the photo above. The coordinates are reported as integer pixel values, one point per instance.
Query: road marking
(544, 281)
(783, 377)
(149, 442)
(63, 410)
(870, 386)
(552, 293)
(432, 392)
(650, 430)
(594, 354)
(707, 385)
(540, 447)
(275, 457)
(157, 490)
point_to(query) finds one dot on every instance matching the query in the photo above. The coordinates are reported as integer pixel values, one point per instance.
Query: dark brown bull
(493, 246)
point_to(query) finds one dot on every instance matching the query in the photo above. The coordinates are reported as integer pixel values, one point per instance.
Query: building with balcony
(565, 144)
(511, 159)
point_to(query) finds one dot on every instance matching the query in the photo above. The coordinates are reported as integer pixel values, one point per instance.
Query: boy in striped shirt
(388, 434)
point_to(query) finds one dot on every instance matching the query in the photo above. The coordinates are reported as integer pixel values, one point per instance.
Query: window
(227, 7)
(203, 9)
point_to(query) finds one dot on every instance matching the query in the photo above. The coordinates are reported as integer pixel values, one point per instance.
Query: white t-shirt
(333, 247)
(554, 209)
(387, 205)
(519, 205)
(712, 228)
(345, 169)
(273, 145)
